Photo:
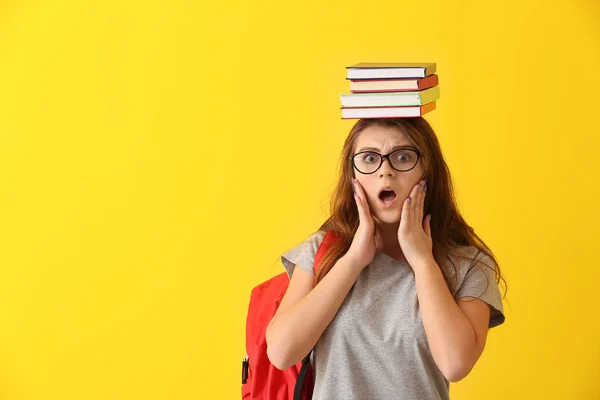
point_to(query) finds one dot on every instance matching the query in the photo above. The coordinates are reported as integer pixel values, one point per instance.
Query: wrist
(425, 264)
(352, 262)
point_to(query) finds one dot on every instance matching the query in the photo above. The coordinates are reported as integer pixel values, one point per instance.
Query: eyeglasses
(368, 162)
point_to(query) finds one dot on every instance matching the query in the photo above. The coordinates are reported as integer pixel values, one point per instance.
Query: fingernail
(353, 185)
(409, 199)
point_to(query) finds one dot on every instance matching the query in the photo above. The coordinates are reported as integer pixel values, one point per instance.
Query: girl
(402, 302)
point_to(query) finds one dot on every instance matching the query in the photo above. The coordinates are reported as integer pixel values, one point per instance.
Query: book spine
(430, 70)
(426, 83)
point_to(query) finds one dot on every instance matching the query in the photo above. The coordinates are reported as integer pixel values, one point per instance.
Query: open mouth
(387, 197)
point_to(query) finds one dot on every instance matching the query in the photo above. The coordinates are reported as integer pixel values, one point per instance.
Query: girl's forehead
(377, 136)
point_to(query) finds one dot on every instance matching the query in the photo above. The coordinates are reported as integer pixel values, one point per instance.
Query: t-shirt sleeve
(303, 255)
(480, 282)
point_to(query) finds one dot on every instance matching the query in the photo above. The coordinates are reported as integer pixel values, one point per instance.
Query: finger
(413, 204)
(363, 197)
(359, 203)
(357, 198)
(405, 218)
(427, 225)
(419, 209)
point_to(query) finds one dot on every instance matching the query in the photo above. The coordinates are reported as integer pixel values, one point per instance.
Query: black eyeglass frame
(383, 157)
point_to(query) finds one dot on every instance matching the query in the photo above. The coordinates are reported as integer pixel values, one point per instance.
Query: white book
(387, 112)
(390, 70)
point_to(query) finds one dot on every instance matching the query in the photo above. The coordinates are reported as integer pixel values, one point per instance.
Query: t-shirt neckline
(390, 258)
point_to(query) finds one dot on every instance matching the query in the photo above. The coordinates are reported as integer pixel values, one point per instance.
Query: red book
(393, 85)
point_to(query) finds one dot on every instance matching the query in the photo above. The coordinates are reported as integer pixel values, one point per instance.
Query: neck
(388, 239)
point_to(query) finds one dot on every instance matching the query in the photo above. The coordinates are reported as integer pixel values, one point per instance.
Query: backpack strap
(328, 240)
(302, 378)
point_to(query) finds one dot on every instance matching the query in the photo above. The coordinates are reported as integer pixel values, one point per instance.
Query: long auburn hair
(448, 228)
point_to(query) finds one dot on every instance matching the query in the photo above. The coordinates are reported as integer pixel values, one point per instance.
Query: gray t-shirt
(375, 348)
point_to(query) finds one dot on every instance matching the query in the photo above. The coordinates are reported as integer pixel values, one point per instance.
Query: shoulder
(303, 254)
(477, 277)
(465, 258)
(316, 237)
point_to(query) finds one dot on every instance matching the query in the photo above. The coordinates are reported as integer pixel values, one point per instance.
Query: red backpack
(261, 380)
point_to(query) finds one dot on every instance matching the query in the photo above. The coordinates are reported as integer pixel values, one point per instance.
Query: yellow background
(156, 158)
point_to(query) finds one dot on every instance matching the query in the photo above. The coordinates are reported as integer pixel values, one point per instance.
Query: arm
(306, 310)
(456, 329)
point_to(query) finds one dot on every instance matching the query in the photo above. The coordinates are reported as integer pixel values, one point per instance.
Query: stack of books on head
(390, 90)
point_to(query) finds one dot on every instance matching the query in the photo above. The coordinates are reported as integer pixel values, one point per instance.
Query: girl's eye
(369, 157)
(403, 157)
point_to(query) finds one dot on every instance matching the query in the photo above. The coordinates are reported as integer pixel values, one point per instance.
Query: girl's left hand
(414, 232)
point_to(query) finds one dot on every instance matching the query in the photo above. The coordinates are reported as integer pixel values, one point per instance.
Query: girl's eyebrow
(403, 146)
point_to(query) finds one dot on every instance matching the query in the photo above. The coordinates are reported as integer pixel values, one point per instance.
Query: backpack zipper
(245, 368)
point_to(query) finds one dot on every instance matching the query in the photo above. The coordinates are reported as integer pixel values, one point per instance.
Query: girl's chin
(388, 217)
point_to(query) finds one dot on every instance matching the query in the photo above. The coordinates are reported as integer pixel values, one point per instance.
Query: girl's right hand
(363, 247)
